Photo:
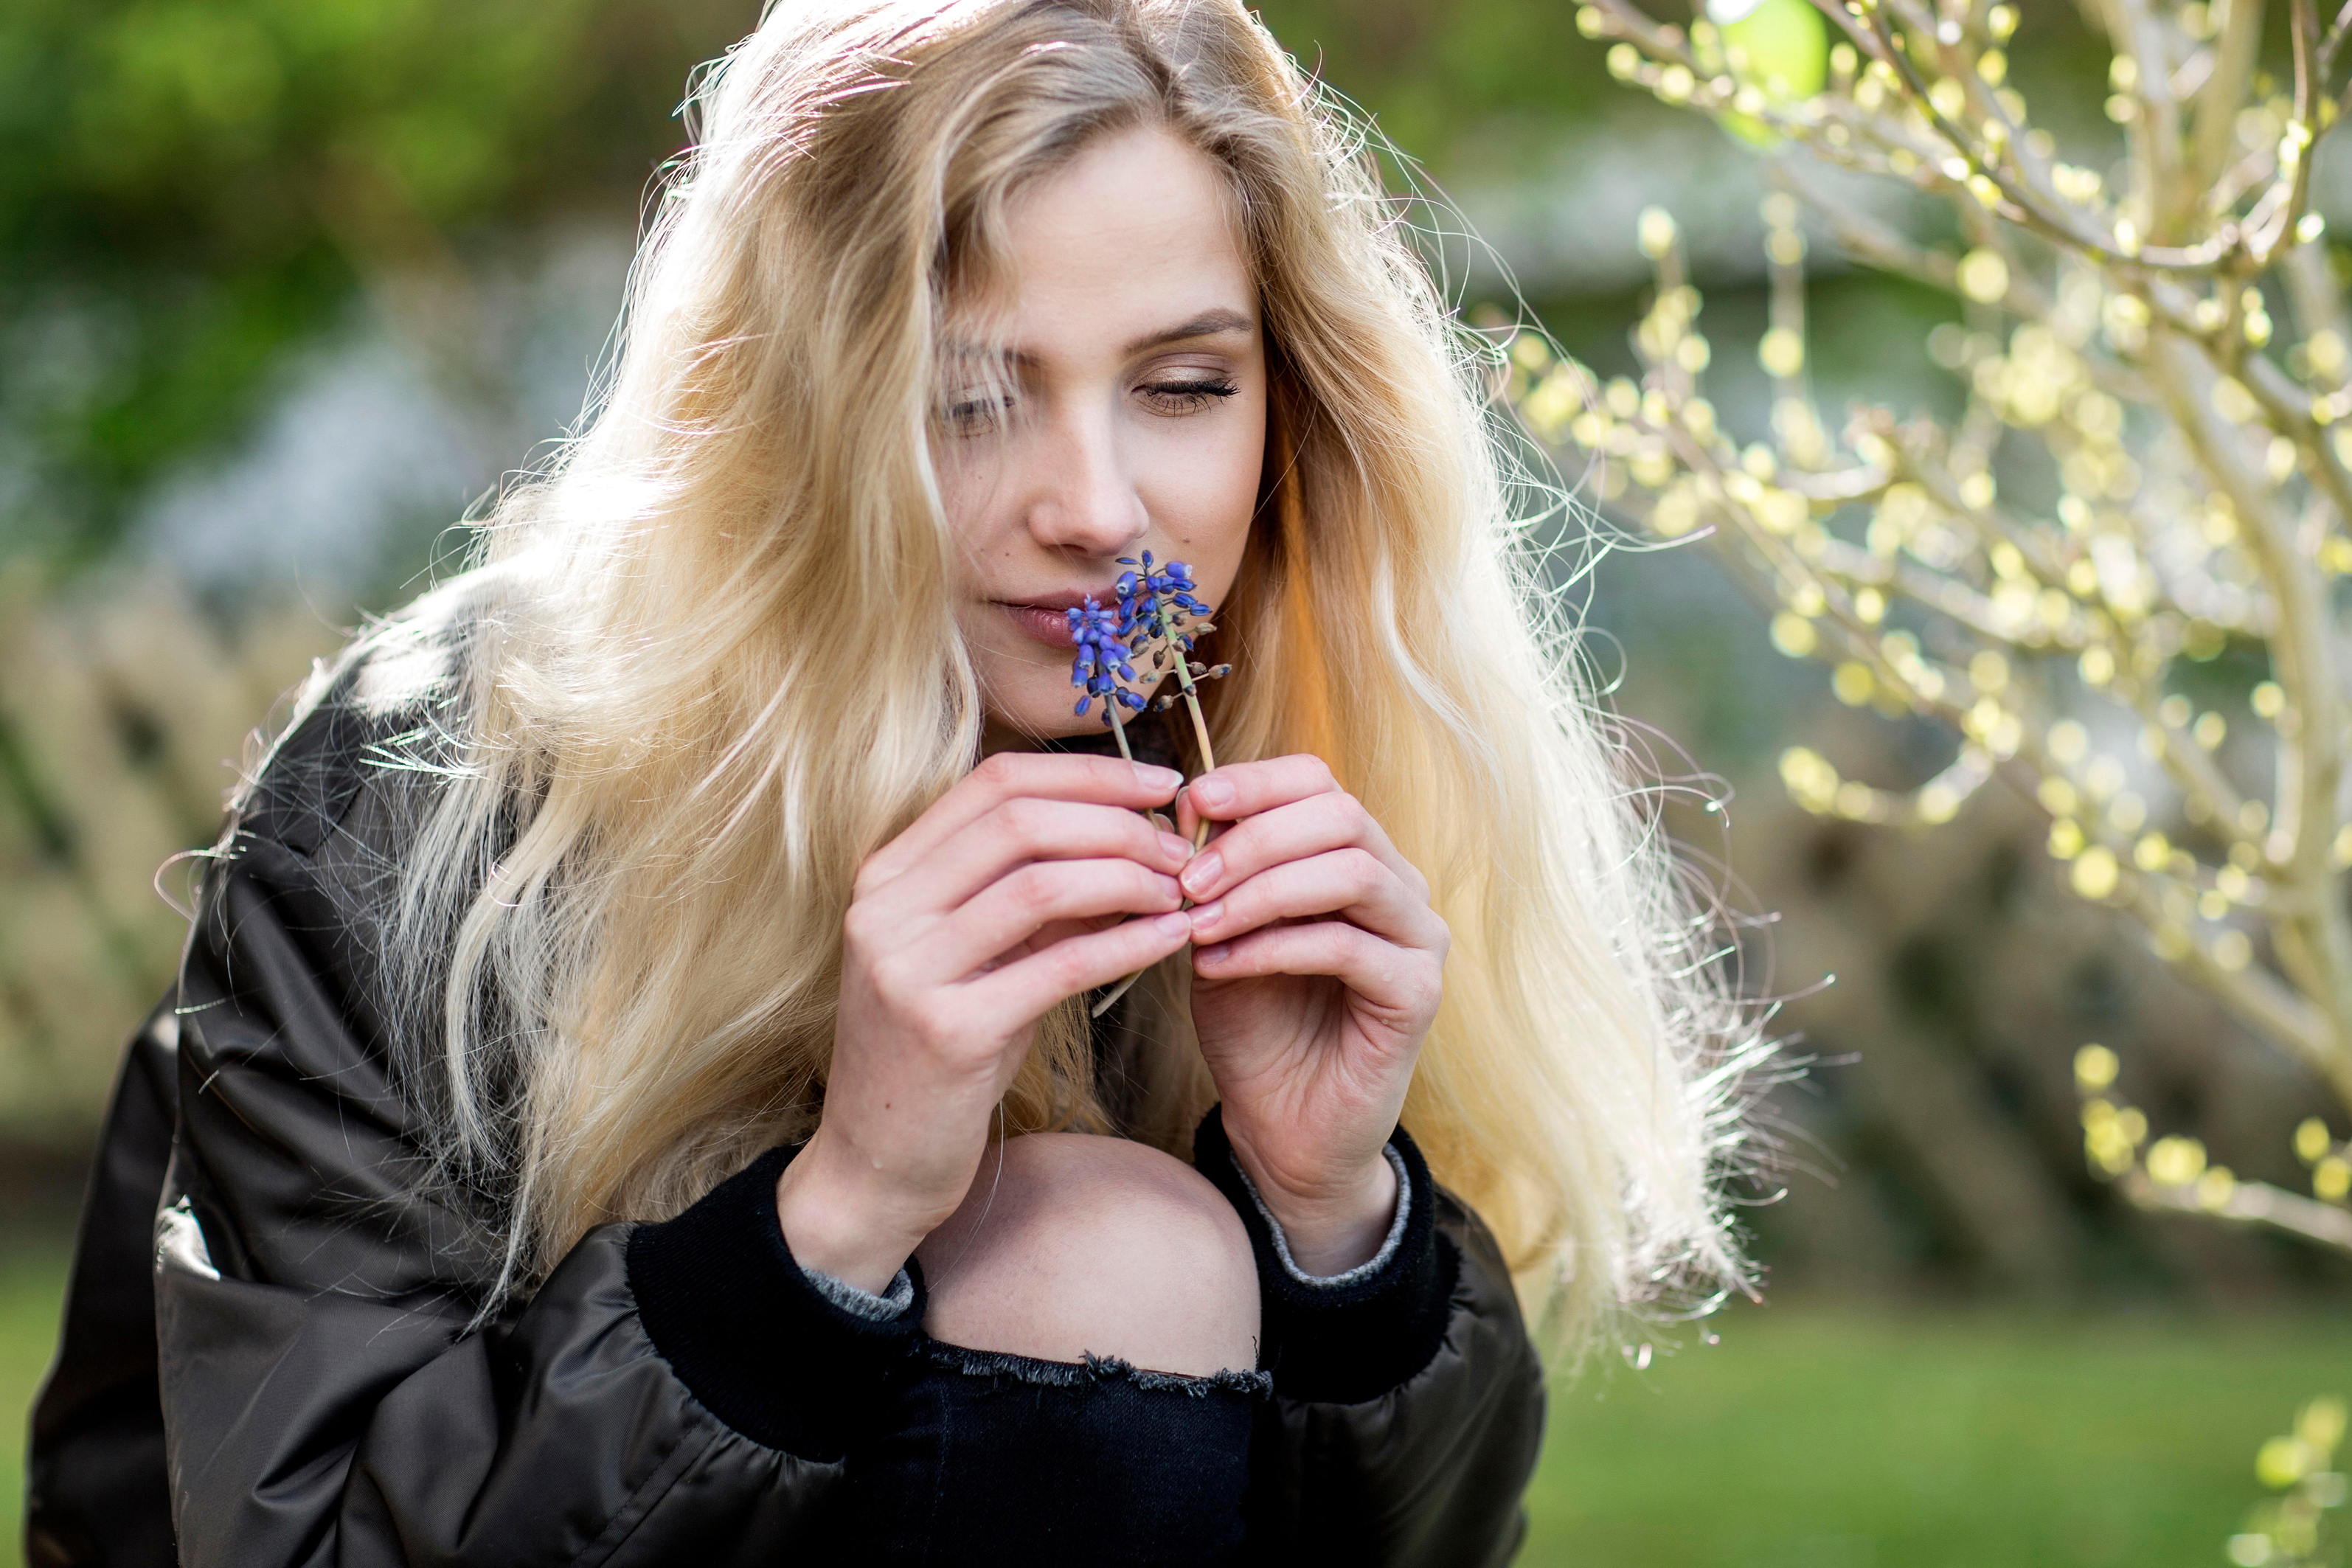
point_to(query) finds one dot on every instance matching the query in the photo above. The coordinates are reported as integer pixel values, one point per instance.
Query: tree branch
(2249, 1203)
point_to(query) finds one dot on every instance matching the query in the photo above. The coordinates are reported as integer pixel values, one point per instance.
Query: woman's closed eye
(1188, 396)
(980, 411)
(975, 412)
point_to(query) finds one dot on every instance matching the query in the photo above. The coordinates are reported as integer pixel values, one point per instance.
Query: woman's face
(1127, 413)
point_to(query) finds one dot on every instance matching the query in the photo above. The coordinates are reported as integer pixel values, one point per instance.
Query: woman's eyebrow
(1207, 325)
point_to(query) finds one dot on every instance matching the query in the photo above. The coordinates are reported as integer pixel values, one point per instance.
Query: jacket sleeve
(678, 1392)
(1407, 1403)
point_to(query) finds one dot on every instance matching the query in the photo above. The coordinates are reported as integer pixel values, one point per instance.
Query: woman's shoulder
(287, 971)
(375, 733)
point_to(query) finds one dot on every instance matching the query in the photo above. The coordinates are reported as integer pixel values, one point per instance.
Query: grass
(1806, 1439)
(32, 1281)
(1812, 1439)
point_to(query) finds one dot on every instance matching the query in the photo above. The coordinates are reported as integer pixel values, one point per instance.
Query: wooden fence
(124, 714)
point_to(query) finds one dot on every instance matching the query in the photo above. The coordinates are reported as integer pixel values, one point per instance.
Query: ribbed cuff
(749, 1333)
(1352, 1337)
(857, 1303)
(1369, 1265)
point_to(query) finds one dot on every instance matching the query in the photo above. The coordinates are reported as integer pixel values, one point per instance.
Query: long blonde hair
(706, 661)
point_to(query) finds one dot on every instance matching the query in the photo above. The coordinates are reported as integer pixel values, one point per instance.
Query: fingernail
(1212, 794)
(1156, 777)
(1175, 925)
(1203, 873)
(1176, 847)
(1206, 916)
(1168, 888)
(1216, 954)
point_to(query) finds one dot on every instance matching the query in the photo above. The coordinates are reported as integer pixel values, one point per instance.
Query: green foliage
(1783, 48)
(190, 188)
(1431, 74)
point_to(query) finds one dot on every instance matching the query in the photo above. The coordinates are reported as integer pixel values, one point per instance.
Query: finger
(1315, 825)
(1105, 781)
(1240, 789)
(1077, 964)
(1350, 883)
(1024, 901)
(1401, 984)
(1026, 829)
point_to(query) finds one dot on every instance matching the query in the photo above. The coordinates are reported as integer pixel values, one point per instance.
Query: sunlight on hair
(708, 662)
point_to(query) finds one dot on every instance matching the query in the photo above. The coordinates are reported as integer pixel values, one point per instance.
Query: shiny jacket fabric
(265, 1359)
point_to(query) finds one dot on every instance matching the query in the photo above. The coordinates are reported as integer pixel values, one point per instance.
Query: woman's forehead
(1129, 246)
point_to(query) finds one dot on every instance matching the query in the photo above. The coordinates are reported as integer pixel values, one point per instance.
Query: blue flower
(1094, 637)
(1158, 615)
(1163, 618)
(1101, 659)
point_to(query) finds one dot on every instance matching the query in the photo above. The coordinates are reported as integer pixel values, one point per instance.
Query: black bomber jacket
(265, 1360)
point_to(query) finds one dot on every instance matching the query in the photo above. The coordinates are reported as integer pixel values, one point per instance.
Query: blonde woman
(631, 1095)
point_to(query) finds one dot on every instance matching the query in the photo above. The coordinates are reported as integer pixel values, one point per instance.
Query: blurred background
(287, 285)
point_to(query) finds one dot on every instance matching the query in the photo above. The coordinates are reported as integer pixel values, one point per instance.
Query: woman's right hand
(1004, 898)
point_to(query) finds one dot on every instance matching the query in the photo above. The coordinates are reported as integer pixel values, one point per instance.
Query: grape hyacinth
(1162, 617)
(1101, 664)
(1159, 618)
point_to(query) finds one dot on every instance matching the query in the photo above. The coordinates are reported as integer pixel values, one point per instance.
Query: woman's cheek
(1203, 493)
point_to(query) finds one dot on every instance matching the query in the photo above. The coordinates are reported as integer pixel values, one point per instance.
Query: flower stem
(1200, 733)
(1200, 829)
(1117, 992)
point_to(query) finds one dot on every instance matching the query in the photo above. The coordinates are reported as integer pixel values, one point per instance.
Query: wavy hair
(706, 660)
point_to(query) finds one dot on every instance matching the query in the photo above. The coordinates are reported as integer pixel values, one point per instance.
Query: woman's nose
(1084, 499)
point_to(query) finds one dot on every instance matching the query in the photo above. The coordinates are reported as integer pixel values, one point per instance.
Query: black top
(264, 1359)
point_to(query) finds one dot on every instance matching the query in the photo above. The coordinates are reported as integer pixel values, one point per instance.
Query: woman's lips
(1051, 628)
(1048, 622)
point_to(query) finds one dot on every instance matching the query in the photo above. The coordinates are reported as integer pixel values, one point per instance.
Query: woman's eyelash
(1184, 396)
(976, 412)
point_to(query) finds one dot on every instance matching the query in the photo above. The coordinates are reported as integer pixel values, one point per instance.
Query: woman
(631, 1090)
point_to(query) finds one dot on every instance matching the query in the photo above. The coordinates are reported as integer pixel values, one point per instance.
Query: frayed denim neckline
(1093, 1369)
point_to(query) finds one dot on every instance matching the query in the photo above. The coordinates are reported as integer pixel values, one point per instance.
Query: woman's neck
(996, 736)
(1149, 738)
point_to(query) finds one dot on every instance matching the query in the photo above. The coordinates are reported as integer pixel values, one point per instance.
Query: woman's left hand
(1317, 972)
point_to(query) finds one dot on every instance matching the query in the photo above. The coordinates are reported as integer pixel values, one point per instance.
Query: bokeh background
(286, 286)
